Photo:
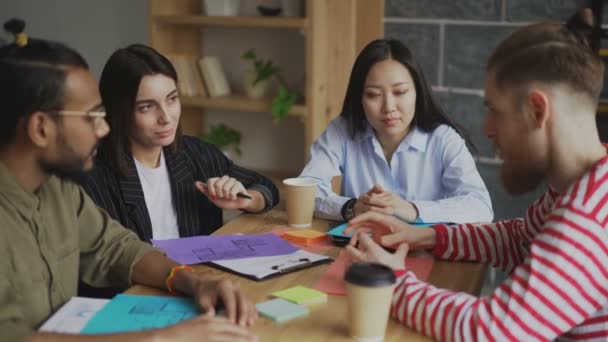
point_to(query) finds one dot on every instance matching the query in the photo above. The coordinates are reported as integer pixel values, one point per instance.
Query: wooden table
(326, 322)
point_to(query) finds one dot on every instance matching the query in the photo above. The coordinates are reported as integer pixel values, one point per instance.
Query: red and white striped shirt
(557, 259)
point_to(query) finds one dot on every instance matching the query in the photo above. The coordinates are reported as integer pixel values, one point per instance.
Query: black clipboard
(280, 269)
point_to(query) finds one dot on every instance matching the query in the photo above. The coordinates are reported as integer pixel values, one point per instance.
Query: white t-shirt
(157, 193)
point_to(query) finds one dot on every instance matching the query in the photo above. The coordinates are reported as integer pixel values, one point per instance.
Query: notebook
(280, 310)
(302, 295)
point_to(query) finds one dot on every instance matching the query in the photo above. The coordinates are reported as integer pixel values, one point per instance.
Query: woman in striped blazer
(150, 177)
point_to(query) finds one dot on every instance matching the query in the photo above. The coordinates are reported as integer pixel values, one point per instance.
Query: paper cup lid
(370, 274)
(300, 181)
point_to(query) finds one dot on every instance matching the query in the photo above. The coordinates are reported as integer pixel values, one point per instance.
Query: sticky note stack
(280, 310)
(302, 295)
(304, 237)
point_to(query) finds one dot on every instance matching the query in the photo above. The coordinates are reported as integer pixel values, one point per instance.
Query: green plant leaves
(223, 136)
(282, 104)
(249, 54)
(265, 69)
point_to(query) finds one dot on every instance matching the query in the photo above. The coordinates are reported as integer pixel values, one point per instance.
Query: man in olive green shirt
(51, 233)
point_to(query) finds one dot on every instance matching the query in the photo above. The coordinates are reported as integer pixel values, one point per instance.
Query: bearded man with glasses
(51, 233)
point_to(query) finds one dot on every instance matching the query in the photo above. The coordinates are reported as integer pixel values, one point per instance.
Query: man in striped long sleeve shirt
(541, 91)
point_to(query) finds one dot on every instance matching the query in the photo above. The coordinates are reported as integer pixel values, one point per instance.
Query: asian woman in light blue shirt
(396, 150)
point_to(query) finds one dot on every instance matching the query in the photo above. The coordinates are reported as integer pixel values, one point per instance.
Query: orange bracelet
(171, 275)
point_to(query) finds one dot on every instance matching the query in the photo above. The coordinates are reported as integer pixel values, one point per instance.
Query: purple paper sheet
(199, 249)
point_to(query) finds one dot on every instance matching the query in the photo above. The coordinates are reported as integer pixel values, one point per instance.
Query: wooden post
(178, 39)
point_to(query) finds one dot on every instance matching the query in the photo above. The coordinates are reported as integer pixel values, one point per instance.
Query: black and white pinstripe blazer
(123, 197)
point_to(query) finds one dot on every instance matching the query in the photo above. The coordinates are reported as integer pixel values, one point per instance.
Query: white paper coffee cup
(369, 292)
(300, 201)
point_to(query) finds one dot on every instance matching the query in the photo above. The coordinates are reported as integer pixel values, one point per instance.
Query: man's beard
(70, 166)
(520, 180)
(71, 171)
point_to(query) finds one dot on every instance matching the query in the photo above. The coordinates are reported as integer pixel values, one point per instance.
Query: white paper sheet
(73, 315)
(261, 267)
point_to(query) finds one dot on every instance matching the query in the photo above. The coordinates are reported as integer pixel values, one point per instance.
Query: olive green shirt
(48, 241)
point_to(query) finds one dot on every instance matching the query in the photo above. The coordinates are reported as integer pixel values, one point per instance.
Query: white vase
(254, 91)
(221, 7)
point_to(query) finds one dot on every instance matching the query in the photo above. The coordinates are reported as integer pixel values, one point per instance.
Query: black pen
(239, 194)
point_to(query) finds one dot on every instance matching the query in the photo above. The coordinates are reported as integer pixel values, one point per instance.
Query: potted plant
(224, 138)
(263, 71)
(256, 80)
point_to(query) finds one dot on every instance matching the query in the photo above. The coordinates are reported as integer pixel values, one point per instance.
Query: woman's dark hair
(428, 114)
(552, 53)
(118, 85)
(32, 77)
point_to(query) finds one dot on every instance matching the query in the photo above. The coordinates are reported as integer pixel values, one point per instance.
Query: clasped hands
(381, 201)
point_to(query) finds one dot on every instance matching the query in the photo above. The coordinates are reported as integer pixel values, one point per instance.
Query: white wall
(94, 28)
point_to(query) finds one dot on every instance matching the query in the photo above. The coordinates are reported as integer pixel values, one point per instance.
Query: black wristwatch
(348, 209)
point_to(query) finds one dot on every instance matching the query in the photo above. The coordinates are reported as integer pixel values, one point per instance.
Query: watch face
(350, 212)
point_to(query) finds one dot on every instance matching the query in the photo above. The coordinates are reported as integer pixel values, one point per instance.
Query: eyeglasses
(96, 117)
(95, 114)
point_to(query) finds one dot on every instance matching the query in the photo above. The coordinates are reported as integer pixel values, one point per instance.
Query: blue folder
(134, 313)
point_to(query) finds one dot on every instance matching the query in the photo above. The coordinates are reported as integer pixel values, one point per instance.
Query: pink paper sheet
(332, 281)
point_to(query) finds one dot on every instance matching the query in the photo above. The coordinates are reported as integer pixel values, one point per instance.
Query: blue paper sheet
(134, 313)
(199, 249)
(281, 310)
(339, 230)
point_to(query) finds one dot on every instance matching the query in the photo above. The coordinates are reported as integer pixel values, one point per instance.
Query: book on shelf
(214, 76)
(189, 81)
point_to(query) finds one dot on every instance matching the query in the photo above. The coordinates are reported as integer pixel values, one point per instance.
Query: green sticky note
(302, 295)
(281, 310)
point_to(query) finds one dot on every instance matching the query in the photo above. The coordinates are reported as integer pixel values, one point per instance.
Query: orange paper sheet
(319, 248)
(332, 282)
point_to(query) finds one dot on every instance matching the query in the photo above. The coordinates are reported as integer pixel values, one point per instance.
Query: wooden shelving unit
(333, 33)
(260, 22)
(236, 103)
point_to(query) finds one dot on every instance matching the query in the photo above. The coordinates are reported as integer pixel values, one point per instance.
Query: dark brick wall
(470, 10)
(467, 48)
(423, 40)
(535, 10)
(453, 40)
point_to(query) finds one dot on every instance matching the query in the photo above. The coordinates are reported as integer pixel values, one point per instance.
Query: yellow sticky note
(302, 295)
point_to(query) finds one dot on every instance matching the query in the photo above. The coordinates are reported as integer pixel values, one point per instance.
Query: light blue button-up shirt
(435, 171)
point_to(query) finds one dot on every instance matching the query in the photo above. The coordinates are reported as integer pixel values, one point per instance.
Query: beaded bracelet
(171, 275)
